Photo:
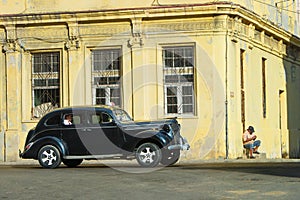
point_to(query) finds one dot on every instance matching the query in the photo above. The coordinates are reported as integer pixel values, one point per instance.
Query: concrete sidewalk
(181, 162)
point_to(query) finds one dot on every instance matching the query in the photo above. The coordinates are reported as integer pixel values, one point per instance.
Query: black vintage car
(72, 134)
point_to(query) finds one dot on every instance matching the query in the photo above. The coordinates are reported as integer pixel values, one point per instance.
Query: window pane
(188, 62)
(55, 67)
(179, 62)
(187, 109)
(186, 78)
(115, 92)
(100, 101)
(171, 91)
(39, 82)
(171, 79)
(172, 100)
(45, 68)
(53, 82)
(113, 80)
(178, 52)
(168, 53)
(187, 100)
(169, 62)
(187, 90)
(100, 93)
(172, 109)
(188, 52)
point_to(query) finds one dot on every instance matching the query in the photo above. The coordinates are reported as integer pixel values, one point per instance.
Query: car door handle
(87, 129)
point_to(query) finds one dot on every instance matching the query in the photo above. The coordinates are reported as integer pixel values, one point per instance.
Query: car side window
(72, 119)
(52, 121)
(101, 118)
(106, 118)
(96, 118)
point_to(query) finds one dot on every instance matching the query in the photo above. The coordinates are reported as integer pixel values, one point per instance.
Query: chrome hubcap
(147, 155)
(49, 157)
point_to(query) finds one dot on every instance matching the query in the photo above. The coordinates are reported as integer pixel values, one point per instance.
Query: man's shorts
(255, 144)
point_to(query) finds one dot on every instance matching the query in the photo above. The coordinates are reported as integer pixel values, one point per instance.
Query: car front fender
(159, 137)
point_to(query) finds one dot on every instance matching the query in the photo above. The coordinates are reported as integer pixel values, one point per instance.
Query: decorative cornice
(144, 20)
(45, 32)
(153, 12)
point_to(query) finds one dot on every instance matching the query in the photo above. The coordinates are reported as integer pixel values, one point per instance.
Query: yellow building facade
(219, 67)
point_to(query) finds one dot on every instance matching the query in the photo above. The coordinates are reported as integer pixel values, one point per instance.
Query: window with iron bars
(178, 68)
(106, 65)
(45, 82)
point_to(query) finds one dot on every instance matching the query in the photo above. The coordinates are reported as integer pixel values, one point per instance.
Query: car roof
(78, 108)
(81, 108)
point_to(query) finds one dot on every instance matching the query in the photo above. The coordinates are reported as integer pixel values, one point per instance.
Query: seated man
(68, 119)
(250, 142)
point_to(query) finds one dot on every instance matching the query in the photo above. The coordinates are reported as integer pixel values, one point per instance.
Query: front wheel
(148, 155)
(49, 157)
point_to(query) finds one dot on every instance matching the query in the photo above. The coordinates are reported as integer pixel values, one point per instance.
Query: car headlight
(168, 129)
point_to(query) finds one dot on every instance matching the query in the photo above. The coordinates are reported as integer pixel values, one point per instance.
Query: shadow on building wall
(292, 72)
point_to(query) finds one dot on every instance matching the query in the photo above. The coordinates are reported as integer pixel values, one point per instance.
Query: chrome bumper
(20, 153)
(183, 145)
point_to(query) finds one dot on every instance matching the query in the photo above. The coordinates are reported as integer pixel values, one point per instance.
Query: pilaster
(12, 50)
(135, 43)
(72, 72)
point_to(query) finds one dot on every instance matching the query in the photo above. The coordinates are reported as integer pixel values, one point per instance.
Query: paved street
(224, 180)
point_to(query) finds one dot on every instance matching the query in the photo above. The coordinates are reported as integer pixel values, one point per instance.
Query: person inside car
(68, 119)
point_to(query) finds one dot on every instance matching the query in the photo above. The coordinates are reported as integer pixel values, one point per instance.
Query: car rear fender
(49, 140)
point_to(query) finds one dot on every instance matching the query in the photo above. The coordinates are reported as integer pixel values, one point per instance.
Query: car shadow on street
(289, 169)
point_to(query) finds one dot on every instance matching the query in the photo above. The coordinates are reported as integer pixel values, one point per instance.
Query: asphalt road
(179, 182)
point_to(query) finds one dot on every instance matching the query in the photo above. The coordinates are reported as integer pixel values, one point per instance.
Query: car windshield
(122, 116)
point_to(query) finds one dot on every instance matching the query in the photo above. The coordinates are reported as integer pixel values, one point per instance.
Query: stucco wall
(218, 40)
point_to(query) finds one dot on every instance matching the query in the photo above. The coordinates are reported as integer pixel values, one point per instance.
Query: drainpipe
(226, 90)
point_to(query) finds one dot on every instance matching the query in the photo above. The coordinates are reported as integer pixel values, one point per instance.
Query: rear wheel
(49, 157)
(72, 162)
(148, 155)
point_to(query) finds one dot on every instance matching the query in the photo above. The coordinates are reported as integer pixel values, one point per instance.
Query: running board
(94, 156)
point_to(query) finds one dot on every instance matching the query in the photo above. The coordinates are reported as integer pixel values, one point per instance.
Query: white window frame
(106, 74)
(180, 72)
(45, 107)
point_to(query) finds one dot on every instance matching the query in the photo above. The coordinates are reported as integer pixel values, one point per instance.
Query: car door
(72, 133)
(102, 136)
